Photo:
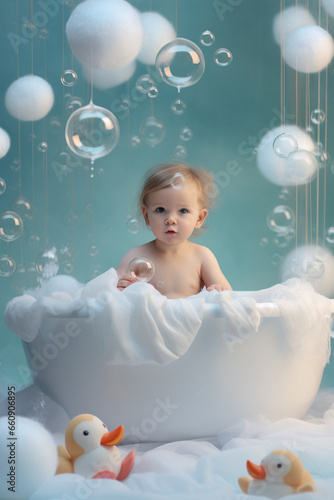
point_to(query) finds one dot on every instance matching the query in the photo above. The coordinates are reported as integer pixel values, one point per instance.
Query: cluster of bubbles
(281, 221)
(222, 57)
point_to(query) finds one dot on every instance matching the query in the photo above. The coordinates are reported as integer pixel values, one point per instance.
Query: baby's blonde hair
(166, 174)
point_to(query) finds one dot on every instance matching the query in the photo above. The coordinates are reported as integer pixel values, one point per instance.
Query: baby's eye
(160, 210)
(183, 211)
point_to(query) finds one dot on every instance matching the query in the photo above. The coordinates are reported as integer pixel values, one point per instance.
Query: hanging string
(325, 147)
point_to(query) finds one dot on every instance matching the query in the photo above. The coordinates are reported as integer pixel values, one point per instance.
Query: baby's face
(173, 214)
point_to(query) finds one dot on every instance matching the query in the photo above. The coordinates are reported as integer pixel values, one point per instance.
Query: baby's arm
(211, 274)
(124, 278)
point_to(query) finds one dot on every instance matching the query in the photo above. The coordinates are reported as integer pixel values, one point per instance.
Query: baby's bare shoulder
(201, 251)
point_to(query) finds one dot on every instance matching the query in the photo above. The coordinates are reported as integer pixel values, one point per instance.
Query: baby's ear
(201, 218)
(144, 212)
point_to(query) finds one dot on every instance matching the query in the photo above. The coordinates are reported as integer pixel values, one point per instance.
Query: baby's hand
(215, 287)
(125, 281)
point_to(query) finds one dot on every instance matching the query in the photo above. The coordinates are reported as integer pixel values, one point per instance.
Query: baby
(174, 202)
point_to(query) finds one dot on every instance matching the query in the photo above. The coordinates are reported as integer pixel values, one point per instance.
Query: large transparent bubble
(141, 268)
(92, 132)
(11, 226)
(180, 63)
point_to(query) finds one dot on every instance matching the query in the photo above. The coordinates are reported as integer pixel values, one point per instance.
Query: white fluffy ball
(158, 31)
(275, 168)
(328, 5)
(4, 143)
(33, 454)
(105, 34)
(290, 19)
(106, 79)
(313, 264)
(309, 49)
(29, 98)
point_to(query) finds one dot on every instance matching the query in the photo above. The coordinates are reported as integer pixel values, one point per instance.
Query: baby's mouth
(170, 231)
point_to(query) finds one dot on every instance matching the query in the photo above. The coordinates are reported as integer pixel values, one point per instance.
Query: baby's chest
(180, 278)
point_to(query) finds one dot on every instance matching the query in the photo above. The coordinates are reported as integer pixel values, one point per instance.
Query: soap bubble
(92, 132)
(153, 92)
(133, 225)
(73, 103)
(178, 107)
(11, 226)
(314, 267)
(301, 166)
(180, 63)
(68, 267)
(69, 78)
(280, 219)
(2, 186)
(330, 236)
(42, 147)
(186, 134)
(177, 181)
(93, 251)
(152, 131)
(144, 83)
(180, 152)
(25, 277)
(285, 144)
(284, 194)
(223, 57)
(23, 207)
(318, 116)
(55, 125)
(7, 266)
(276, 258)
(135, 141)
(43, 33)
(281, 240)
(47, 263)
(15, 165)
(263, 242)
(207, 38)
(141, 268)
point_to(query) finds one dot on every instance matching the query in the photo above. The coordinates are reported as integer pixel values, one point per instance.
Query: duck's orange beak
(256, 471)
(113, 437)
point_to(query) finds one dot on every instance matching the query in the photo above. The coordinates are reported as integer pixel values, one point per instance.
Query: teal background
(228, 110)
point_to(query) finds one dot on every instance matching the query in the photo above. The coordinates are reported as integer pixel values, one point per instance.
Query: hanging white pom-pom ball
(29, 98)
(312, 263)
(28, 457)
(309, 49)
(4, 143)
(328, 5)
(105, 34)
(158, 31)
(106, 79)
(284, 156)
(290, 19)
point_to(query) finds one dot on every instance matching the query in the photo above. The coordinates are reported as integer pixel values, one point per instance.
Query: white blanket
(150, 328)
(202, 470)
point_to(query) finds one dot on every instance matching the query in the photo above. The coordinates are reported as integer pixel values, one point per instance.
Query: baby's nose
(171, 219)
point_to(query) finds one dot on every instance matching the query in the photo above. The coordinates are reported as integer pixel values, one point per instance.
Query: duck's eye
(279, 465)
(85, 433)
(104, 425)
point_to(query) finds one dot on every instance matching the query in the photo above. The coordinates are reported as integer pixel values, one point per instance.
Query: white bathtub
(273, 373)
